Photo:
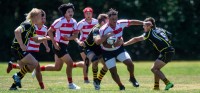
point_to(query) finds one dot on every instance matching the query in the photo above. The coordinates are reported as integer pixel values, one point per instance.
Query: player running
(84, 26)
(160, 40)
(65, 29)
(33, 48)
(111, 52)
(24, 33)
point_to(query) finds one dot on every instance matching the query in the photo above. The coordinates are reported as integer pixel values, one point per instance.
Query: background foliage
(180, 17)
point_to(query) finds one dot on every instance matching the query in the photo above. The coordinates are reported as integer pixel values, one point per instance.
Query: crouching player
(161, 42)
(24, 33)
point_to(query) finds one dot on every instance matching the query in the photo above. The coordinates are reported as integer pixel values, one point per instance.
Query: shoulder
(104, 27)
(73, 20)
(94, 20)
(122, 21)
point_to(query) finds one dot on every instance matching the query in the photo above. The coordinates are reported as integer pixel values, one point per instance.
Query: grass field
(185, 75)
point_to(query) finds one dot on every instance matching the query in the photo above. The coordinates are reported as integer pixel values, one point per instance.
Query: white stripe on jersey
(118, 30)
(62, 27)
(84, 27)
(41, 32)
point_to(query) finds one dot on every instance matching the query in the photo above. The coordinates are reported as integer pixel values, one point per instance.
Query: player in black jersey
(23, 33)
(93, 51)
(161, 41)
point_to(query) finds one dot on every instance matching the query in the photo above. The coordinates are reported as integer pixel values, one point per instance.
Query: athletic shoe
(9, 68)
(13, 87)
(86, 81)
(96, 84)
(17, 80)
(33, 73)
(169, 85)
(134, 82)
(73, 86)
(121, 87)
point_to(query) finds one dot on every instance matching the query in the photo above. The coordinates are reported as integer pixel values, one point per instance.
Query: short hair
(152, 20)
(112, 12)
(64, 7)
(102, 17)
(34, 12)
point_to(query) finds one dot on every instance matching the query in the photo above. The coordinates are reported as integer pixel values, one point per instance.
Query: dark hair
(43, 13)
(102, 17)
(63, 8)
(112, 12)
(152, 20)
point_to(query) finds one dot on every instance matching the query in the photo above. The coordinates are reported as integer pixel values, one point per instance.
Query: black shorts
(96, 49)
(167, 55)
(81, 49)
(63, 50)
(35, 55)
(17, 54)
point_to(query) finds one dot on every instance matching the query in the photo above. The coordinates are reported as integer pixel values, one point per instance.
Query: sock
(85, 78)
(156, 85)
(42, 68)
(23, 71)
(95, 71)
(69, 79)
(41, 85)
(101, 74)
(74, 65)
(119, 84)
(14, 65)
(166, 81)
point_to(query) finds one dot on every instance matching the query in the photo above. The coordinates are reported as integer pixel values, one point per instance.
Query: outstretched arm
(138, 22)
(134, 40)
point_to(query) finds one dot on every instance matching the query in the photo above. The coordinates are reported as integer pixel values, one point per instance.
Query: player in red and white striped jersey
(114, 51)
(33, 48)
(84, 27)
(65, 29)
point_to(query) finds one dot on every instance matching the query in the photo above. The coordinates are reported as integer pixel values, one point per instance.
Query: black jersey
(90, 39)
(27, 32)
(158, 38)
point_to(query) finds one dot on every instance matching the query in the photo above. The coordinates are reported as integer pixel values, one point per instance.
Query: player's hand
(47, 49)
(56, 45)
(65, 37)
(110, 34)
(81, 43)
(23, 47)
(48, 38)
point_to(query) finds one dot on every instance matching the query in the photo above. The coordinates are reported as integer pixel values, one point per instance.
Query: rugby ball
(111, 40)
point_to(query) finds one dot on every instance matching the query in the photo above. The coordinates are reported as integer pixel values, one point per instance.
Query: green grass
(185, 75)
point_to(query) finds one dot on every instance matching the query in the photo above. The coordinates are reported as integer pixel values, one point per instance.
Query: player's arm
(18, 36)
(138, 22)
(119, 42)
(40, 39)
(46, 46)
(100, 39)
(134, 40)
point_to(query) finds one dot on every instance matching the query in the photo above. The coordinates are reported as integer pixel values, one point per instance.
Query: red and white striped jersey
(62, 26)
(120, 25)
(84, 27)
(40, 32)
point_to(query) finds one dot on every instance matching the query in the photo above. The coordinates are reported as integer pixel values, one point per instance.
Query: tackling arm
(134, 40)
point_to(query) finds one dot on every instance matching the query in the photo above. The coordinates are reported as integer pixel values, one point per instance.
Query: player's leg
(103, 70)
(53, 67)
(111, 65)
(31, 63)
(162, 60)
(126, 59)
(11, 66)
(39, 76)
(68, 60)
(90, 56)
